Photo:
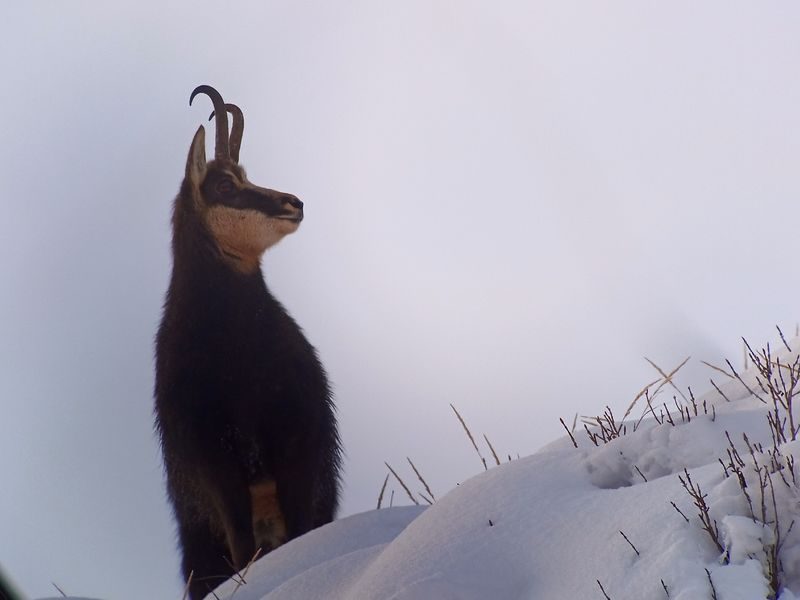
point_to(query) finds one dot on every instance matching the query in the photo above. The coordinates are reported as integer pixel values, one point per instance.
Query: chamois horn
(221, 149)
(237, 129)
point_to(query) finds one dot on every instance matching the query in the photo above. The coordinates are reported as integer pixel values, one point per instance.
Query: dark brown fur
(243, 407)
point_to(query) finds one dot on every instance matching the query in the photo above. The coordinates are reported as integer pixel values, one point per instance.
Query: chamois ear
(196, 163)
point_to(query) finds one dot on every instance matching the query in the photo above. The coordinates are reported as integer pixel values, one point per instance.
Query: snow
(551, 525)
(564, 521)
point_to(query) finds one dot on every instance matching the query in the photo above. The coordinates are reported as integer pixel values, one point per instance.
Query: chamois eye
(225, 187)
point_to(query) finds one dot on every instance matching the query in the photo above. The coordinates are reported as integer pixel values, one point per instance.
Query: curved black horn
(221, 150)
(237, 129)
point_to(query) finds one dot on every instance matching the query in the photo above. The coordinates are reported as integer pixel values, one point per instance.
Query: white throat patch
(244, 235)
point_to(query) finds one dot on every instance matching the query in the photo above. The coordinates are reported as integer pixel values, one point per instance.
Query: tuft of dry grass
(780, 381)
(427, 495)
(777, 384)
(607, 427)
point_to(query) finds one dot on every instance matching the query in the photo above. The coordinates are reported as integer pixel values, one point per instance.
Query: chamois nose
(294, 201)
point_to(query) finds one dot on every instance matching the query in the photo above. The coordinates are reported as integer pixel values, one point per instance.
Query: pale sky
(508, 205)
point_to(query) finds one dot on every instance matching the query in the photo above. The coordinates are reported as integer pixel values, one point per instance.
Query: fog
(508, 205)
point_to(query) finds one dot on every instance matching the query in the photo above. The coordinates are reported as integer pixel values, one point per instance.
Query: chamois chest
(237, 353)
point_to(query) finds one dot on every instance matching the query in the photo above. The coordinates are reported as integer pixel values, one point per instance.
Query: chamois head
(243, 219)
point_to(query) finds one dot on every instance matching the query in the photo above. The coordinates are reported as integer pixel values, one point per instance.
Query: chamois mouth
(292, 218)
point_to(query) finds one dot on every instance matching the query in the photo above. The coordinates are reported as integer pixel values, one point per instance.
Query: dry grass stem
(236, 577)
(402, 483)
(494, 454)
(641, 393)
(256, 555)
(471, 439)
(723, 371)
(607, 597)
(186, 587)
(60, 591)
(240, 575)
(422, 479)
(383, 489)
(668, 377)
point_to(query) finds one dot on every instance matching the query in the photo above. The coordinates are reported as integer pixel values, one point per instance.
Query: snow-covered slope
(550, 526)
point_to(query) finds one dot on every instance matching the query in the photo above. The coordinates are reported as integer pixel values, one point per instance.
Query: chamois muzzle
(295, 203)
(277, 205)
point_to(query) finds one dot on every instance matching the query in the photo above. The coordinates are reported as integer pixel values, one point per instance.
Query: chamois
(243, 408)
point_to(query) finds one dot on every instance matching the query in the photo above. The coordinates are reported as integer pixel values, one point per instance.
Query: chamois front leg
(295, 479)
(206, 558)
(326, 494)
(230, 498)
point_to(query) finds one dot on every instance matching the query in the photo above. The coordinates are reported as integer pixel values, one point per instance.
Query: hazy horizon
(499, 199)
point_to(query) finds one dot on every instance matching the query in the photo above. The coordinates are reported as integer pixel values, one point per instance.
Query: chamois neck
(201, 269)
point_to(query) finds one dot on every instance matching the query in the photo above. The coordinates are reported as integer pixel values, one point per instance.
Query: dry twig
(569, 433)
(631, 543)
(607, 597)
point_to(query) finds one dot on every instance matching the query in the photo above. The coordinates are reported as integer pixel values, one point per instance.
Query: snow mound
(565, 521)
